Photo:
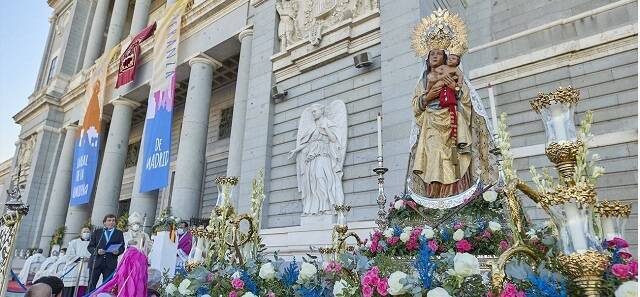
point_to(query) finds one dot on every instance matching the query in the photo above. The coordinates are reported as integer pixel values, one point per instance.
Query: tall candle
(379, 135)
(575, 227)
(492, 105)
(557, 119)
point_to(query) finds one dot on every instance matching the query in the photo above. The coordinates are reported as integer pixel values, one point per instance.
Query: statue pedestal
(163, 253)
(315, 221)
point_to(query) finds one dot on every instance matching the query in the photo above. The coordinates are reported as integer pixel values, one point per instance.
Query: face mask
(135, 227)
(86, 236)
(180, 231)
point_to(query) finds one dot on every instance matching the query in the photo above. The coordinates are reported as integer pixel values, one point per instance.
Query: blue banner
(156, 141)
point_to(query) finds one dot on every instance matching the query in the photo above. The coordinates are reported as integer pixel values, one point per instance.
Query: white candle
(575, 224)
(557, 120)
(609, 229)
(492, 105)
(379, 135)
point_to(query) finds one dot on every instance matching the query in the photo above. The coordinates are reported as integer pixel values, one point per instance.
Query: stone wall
(360, 90)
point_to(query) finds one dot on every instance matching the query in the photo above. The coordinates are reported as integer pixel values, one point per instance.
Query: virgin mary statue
(451, 140)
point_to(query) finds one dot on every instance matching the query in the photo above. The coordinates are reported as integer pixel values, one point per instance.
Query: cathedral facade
(247, 72)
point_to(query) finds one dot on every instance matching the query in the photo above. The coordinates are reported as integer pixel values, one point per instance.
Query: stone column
(140, 16)
(187, 185)
(240, 104)
(60, 194)
(94, 44)
(76, 217)
(43, 71)
(144, 203)
(115, 153)
(116, 25)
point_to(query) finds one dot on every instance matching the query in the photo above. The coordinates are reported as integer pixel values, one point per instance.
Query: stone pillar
(240, 104)
(144, 203)
(60, 194)
(140, 16)
(116, 25)
(77, 216)
(42, 72)
(115, 153)
(94, 44)
(187, 185)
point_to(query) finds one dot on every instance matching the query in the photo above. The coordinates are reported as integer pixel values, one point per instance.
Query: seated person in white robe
(46, 265)
(31, 266)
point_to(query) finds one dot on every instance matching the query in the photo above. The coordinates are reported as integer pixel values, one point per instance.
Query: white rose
(427, 232)
(267, 271)
(627, 289)
(490, 196)
(170, 289)
(399, 204)
(339, 286)
(458, 235)
(388, 233)
(495, 226)
(248, 294)
(307, 271)
(183, 288)
(205, 295)
(368, 244)
(395, 285)
(465, 264)
(404, 236)
(438, 292)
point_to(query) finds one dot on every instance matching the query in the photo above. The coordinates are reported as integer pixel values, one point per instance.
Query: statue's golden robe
(433, 159)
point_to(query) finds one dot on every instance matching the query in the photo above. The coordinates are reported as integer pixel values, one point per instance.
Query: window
(132, 155)
(226, 117)
(52, 69)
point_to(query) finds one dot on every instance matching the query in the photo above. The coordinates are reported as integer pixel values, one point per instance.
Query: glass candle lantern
(557, 110)
(574, 221)
(226, 188)
(613, 218)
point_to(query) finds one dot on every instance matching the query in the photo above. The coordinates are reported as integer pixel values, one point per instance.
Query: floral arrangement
(123, 221)
(165, 221)
(58, 235)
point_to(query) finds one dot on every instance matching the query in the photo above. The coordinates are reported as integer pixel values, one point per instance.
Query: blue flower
(249, 283)
(397, 231)
(424, 265)
(310, 292)
(203, 290)
(291, 273)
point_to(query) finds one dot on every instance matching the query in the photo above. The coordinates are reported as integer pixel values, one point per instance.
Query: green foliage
(58, 235)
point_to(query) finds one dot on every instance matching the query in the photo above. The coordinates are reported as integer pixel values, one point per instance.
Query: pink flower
(504, 245)
(367, 291)
(486, 234)
(618, 242)
(410, 203)
(271, 294)
(210, 277)
(458, 225)
(333, 266)
(393, 240)
(237, 284)
(621, 271)
(625, 254)
(510, 290)
(463, 246)
(433, 246)
(633, 266)
(383, 286)
(233, 294)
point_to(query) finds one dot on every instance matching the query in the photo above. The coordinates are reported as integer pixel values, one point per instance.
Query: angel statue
(320, 149)
(451, 141)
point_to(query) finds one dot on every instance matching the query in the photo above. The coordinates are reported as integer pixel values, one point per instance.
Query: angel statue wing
(336, 113)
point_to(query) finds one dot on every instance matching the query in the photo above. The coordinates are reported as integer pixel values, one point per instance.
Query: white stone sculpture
(308, 19)
(135, 236)
(320, 148)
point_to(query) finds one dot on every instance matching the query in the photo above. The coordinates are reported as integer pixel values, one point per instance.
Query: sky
(24, 26)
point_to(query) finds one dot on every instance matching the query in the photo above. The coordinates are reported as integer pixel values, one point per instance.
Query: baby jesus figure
(447, 98)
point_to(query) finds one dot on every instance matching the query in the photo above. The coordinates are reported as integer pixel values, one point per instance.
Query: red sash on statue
(129, 59)
(448, 100)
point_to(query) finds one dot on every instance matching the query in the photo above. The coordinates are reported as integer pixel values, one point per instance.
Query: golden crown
(441, 30)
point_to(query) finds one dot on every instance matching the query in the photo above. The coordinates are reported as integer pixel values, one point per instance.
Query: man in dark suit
(104, 261)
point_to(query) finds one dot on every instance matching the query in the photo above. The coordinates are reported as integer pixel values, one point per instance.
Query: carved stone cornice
(43, 102)
(257, 3)
(344, 38)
